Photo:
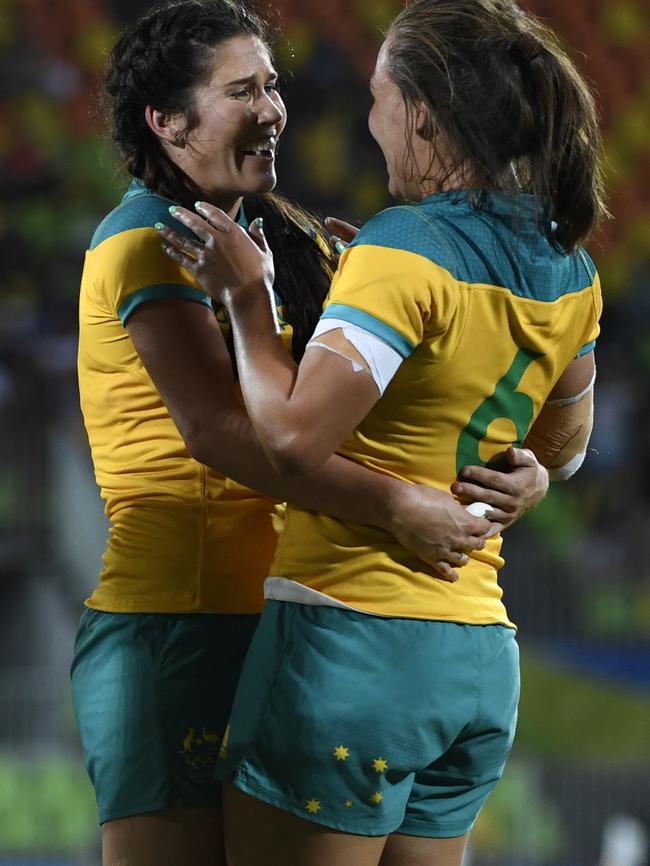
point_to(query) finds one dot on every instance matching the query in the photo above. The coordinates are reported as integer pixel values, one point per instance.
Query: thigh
(181, 836)
(259, 834)
(403, 850)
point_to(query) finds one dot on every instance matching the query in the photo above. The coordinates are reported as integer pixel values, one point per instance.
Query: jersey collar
(137, 187)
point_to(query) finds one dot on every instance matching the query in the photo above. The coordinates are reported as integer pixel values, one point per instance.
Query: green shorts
(373, 725)
(152, 694)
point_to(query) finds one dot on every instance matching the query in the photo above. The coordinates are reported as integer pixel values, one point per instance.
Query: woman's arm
(182, 348)
(561, 431)
(301, 414)
(337, 407)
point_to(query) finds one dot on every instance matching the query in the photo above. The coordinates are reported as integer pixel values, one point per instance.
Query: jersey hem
(289, 591)
(254, 610)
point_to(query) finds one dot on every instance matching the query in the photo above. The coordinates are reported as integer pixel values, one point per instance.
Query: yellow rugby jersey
(486, 315)
(182, 537)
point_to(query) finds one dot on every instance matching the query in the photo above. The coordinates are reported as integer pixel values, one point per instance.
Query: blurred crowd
(582, 597)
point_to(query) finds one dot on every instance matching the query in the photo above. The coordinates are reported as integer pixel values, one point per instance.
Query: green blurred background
(577, 789)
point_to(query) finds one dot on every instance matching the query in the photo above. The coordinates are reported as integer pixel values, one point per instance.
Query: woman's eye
(241, 94)
(274, 86)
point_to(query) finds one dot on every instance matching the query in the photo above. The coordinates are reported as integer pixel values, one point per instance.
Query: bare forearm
(266, 372)
(340, 488)
(300, 414)
(426, 521)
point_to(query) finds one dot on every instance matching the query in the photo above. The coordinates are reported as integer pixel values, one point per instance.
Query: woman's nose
(270, 108)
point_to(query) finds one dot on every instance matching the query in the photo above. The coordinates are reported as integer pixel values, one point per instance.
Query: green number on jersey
(504, 402)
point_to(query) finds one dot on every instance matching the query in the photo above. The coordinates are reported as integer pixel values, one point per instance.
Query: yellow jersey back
(486, 314)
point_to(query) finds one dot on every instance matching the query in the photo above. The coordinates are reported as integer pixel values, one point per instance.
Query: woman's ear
(421, 119)
(425, 126)
(166, 127)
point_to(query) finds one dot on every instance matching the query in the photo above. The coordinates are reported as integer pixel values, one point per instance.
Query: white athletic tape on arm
(560, 435)
(567, 401)
(356, 366)
(382, 360)
(561, 473)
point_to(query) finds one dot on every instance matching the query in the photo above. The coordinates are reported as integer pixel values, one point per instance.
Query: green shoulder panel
(137, 212)
(501, 245)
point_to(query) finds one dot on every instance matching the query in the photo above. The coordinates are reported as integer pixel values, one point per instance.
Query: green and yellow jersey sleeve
(126, 251)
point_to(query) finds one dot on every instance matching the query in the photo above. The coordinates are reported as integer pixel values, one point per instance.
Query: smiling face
(417, 162)
(231, 152)
(392, 127)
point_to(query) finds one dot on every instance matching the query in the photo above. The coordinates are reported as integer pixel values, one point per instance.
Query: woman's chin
(395, 187)
(264, 182)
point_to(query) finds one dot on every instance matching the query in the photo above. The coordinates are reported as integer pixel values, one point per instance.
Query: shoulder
(410, 229)
(400, 227)
(135, 212)
(126, 266)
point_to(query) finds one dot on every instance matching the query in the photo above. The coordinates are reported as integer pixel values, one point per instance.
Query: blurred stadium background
(577, 790)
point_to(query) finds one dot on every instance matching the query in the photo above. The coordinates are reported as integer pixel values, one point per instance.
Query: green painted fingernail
(259, 222)
(340, 247)
(197, 204)
(173, 208)
(159, 226)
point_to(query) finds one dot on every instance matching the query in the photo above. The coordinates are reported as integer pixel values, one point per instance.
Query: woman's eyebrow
(250, 78)
(246, 80)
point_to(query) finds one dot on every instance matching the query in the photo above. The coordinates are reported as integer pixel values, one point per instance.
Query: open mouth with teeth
(264, 151)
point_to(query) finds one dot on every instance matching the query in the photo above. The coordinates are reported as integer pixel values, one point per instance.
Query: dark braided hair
(512, 107)
(160, 60)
